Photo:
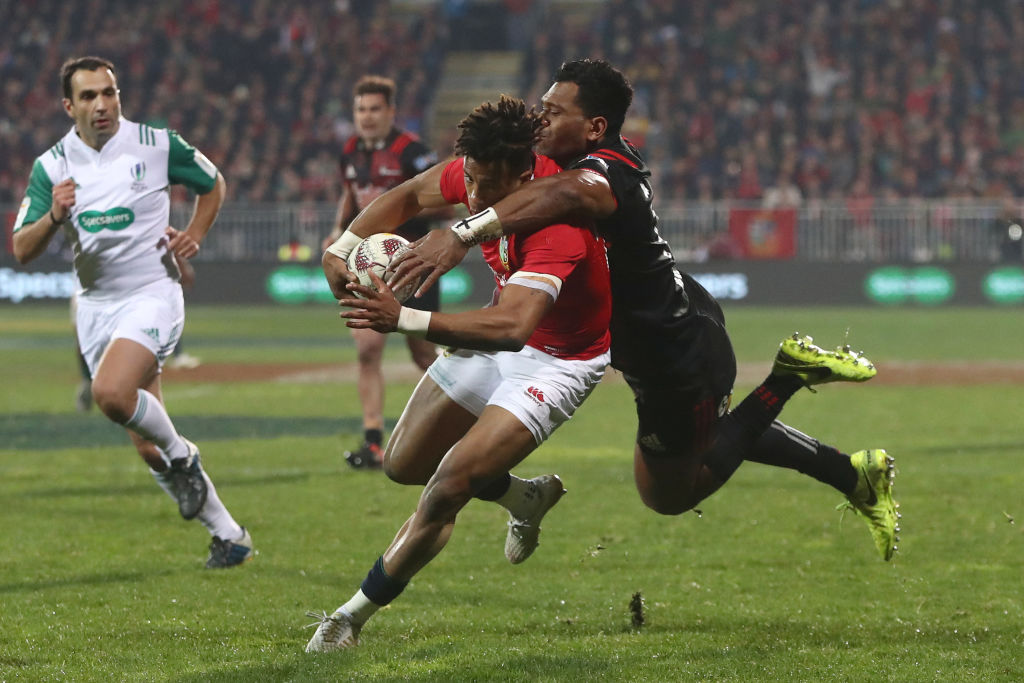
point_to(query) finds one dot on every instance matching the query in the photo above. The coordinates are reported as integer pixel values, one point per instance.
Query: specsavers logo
(117, 218)
(923, 285)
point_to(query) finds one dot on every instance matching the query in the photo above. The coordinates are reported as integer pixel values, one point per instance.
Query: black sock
(374, 436)
(783, 446)
(738, 430)
(496, 489)
(379, 587)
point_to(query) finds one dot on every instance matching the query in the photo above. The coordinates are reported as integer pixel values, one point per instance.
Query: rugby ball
(375, 254)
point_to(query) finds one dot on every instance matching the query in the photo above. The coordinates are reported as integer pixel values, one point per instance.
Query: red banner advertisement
(764, 233)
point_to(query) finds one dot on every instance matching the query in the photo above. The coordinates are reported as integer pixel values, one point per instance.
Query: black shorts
(678, 412)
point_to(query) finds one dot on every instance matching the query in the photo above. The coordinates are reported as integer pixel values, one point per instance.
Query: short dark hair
(376, 85)
(603, 90)
(68, 69)
(502, 132)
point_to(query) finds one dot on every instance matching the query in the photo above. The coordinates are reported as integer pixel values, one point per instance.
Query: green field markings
(53, 431)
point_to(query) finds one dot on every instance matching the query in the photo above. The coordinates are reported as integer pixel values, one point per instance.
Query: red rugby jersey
(576, 327)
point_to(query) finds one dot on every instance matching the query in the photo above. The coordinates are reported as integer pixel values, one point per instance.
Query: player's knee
(667, 504)
(444, 496)
(115, 402)
(402, 472)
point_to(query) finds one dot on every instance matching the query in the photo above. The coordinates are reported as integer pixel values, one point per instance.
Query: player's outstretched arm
(383, 214)
(505, 326)
(574, 195)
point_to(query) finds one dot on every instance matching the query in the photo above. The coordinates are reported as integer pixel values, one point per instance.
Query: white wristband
(413, 322)
(480, 227)
(344, 245)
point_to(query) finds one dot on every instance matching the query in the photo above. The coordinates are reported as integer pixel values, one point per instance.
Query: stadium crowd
(774, 102)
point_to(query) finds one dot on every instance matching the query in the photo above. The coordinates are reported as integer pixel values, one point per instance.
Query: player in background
(376, 159)
(541, 349)
(668, 333)
(106, 183)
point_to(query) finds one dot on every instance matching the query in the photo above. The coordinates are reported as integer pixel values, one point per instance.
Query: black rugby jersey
(653, 305)
(370, 170)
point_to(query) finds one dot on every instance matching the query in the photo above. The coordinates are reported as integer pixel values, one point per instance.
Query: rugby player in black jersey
(668, 333)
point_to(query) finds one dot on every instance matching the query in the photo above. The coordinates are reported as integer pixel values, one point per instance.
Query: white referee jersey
(122, 203)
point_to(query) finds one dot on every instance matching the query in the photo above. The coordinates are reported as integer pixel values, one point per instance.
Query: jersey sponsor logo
(117, 218)
(536, 393)
(152, 332)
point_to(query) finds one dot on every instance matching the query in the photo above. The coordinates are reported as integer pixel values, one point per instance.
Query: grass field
(100, 580)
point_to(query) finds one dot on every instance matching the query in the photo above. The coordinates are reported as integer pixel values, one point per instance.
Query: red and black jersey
(370, 170)
(653, 330)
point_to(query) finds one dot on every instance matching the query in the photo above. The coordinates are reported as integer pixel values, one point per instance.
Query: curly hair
(502, 132)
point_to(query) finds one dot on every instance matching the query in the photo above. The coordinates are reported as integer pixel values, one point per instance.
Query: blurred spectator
(925, 97)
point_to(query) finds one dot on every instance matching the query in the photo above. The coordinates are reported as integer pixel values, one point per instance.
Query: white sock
(164, 482)
(216, 518)
(360, 607)
(520, 497)
(152, 422)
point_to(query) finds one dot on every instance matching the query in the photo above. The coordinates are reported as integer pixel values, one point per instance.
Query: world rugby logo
(138, 172)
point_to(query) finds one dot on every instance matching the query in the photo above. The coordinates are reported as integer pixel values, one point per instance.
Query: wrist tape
(344, 245)
(413, 322)
(478, 228)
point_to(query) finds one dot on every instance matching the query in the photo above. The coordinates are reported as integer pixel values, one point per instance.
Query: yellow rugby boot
(800, 357)
(872, 498)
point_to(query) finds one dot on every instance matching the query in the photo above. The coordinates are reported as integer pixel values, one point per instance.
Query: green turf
(100, 580)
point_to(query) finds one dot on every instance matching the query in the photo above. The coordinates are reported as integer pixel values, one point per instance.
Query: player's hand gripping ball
(376, 253)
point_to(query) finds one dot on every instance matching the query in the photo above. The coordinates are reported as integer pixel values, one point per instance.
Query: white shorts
(153, 316)
(540, 390)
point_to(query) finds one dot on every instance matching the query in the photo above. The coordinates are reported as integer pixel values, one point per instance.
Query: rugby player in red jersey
(522, 367)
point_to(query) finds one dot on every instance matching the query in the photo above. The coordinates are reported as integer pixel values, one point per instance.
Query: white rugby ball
(375, 254)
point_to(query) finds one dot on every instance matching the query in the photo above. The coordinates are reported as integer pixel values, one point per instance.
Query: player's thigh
(124, 367)
(667, 484)
(544, 392)
(430, 425)
(497, 442)
(153, 318)
(369, 344)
